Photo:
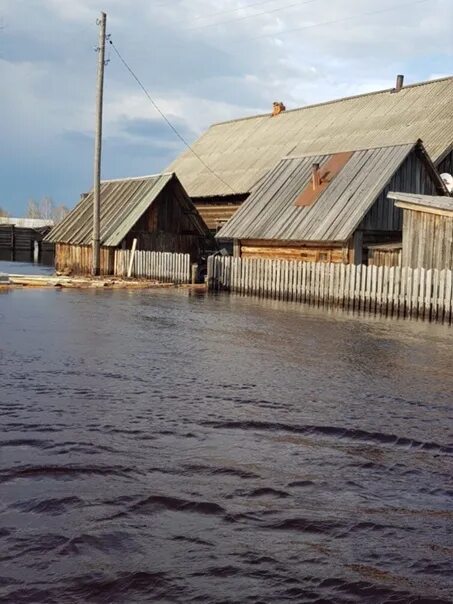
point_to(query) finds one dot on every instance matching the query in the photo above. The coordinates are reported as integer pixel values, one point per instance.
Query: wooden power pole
(98, 148)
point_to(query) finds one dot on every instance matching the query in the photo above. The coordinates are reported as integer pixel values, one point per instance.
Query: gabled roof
(270, 211)
(432, 204)
(123, 203)
(241, 151)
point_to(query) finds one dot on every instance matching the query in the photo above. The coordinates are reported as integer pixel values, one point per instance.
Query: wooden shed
(232, 157)
(155, 210)
(330, 208)
(21, 238)
(427, 230)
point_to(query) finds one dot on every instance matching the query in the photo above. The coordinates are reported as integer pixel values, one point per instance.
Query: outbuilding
(225, 164)
(331, 207)
(155, 210)
(427, 230)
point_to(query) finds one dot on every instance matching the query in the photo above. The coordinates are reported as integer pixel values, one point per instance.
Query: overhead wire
(267, 12)
(275, 34)
(165, 118)
(236, 10)
(342, 20)
(226, 11)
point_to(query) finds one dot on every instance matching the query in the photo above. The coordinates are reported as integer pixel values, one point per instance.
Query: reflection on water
(24, 267)
(159, 446)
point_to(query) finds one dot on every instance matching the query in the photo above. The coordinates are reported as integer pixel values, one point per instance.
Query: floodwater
(160, 446)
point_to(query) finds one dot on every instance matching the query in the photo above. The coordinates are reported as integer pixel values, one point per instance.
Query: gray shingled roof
(123, 202)
(423, 202)
(270, 211)
(240, 152)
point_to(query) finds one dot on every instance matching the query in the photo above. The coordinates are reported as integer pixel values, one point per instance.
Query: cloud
(203, 61)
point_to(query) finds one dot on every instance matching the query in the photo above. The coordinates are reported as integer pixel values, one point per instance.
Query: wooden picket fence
(163, 266)
(393, 291)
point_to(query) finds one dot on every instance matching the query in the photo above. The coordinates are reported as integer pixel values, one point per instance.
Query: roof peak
(410, 143)
(129, 178)
(333, 101)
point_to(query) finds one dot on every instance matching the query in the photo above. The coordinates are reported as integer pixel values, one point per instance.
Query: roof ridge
(412, 143)
(146, 177)
(333, 101)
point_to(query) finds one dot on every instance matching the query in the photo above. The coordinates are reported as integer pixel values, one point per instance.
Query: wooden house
(155, 210)
(232, 157)
(427, 230)
(330, 208)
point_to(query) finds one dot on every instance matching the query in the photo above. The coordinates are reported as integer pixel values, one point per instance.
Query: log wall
(292, 251)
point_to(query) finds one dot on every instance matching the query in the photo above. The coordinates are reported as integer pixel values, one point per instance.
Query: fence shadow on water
(390, 291)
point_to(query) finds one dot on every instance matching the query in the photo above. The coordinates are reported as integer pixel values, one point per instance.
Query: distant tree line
(46, 209)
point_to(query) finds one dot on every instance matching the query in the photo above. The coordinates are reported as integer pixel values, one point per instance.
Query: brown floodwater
(160, 446)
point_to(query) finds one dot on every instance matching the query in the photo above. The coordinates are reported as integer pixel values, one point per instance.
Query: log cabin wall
(284, 250)
(216, 211)
(78, 259)
(427, 240)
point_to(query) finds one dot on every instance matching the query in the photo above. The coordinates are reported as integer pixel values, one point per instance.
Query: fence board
(393, 291)
(156, 265)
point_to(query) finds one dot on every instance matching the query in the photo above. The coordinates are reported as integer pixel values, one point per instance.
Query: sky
(202, 61)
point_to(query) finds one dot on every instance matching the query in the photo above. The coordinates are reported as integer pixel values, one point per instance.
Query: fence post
(194, 273)
(129, 270)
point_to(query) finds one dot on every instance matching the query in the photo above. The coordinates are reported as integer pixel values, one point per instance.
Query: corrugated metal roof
(270, 211)
(240, 152)
(123, 202)
(431, 202)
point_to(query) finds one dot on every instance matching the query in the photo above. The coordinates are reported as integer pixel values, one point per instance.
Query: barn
(154, 210)
(427, 230)
(331, 207)
(231, 157)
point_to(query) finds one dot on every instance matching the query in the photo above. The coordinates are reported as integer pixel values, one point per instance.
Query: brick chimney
(277, 107)
(315, 176)
(399, 83)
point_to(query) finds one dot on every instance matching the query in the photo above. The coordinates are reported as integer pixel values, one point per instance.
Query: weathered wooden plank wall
(427, 240)
(77, 259)
(392, 291)
(164, 266)
(384, 257)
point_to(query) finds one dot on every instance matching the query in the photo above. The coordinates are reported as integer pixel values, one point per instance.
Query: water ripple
(166, 447)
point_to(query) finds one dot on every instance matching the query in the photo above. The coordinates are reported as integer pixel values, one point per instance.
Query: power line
(376, 12)
(223, 12)
(267, 12)
(235, 10)
(162, 114)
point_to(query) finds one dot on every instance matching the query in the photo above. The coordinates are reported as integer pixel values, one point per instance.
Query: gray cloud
(198, 76)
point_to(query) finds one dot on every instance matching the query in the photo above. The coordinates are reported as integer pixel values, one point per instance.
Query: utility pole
(98, 148)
